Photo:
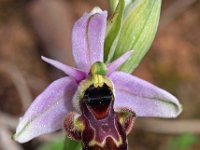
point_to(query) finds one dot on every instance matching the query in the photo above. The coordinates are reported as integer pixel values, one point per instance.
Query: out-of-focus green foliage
(61, 144)
(56, 145)
(182, 142)
(72, 145)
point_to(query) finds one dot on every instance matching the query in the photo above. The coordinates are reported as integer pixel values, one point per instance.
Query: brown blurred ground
(172, 63)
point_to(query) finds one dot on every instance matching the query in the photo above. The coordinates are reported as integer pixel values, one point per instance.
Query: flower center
(98, 71)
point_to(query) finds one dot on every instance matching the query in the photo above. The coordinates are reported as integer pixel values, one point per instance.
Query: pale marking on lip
(102, 143)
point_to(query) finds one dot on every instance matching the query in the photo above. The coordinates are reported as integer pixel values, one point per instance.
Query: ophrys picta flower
(95, 103)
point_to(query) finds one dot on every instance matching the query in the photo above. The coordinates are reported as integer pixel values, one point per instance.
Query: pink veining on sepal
(143, 98)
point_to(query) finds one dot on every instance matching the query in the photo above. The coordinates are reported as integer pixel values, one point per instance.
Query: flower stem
(71, 145)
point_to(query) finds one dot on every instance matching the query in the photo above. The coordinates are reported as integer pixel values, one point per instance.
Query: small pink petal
(88, 39)
(47, 112)
(77, 74)
(118, 62)
(143, 98)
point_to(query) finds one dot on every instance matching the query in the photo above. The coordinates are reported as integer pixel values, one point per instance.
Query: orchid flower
(95, 103)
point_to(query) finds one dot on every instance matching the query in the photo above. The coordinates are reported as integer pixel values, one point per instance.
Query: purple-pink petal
(77, 74)
(46, 113)
(88, 39)
(118, 62)
(145, 99)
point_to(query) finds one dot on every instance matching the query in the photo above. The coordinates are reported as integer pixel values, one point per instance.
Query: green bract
(137, 31)
(113, 5)
(113, 29)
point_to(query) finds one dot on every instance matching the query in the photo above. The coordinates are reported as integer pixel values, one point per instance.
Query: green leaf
(182, 142)
(113, 28)
(138, 31)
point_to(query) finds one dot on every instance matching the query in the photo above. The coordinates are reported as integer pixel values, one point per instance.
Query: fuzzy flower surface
(62, 97)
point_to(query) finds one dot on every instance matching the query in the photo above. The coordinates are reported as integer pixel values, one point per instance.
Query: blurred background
(31, 28)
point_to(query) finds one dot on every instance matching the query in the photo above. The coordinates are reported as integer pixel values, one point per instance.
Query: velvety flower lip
(48, 110)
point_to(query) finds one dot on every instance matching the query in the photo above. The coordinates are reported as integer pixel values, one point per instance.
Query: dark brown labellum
(99, 127)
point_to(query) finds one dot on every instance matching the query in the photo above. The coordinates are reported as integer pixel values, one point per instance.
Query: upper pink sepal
(88, 39)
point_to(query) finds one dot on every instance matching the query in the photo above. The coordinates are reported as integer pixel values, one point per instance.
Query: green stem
(71, 145)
